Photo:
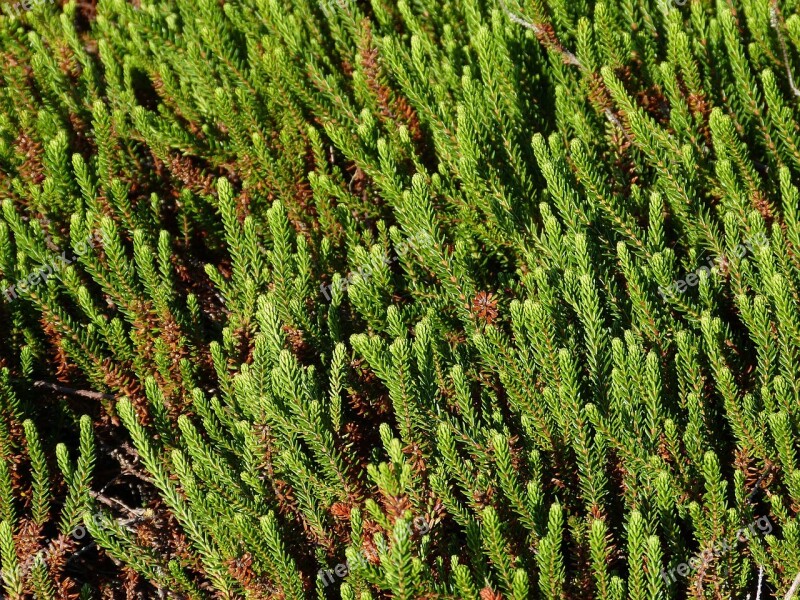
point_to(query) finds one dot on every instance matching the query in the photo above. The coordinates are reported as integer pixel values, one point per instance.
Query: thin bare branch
(793, 590)
(569, 57)
(113, 502)
(777, 22)
(760, 579)
(46, 385)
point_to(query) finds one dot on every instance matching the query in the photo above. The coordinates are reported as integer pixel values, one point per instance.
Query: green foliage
(409, 291)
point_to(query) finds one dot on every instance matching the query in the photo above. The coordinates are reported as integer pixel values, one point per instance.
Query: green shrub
(414, 299)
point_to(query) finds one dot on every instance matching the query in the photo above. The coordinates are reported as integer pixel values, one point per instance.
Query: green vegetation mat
(408, 299)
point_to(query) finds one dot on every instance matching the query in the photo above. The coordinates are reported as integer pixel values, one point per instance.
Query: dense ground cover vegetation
(468, 299)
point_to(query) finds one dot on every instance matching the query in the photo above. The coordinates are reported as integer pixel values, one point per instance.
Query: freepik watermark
(692, 279)
(420, 525)
(51, 269)
(664, 4)
(706, 556)
(25, 5)
(328, 6)
(365, 271)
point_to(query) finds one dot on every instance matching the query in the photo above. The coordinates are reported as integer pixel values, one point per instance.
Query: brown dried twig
(543, 34)
(777, 21)
(46, 385)
(793, 590)
(546, 36)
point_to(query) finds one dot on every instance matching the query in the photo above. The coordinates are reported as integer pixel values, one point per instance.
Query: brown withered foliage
(241, 569)
(545, 34)
(142, 330)
(66, 589)
(60, 550)
(653, 101)
(484, 306)
(360, 185)
(340, 511)
(119, 378)
(130, 580)
(65, 371)
(191, 278)
(582, 586)
(755, 479)
(700, 106)
(304, 196)
(28, 539)
(488, 593)
(368, 547)
(300, 347)
(723, 264)
(192, 176)
(55, 552)
(173, 339)
(88, 9)
(455, 338)
(483, 498)
(31, 168)
(762, 204)
(516, 452)
(284, 495)
(417, 458)
(597, 512)
(599, 96)
(354, 436)
(663, 448)
(621, 143)
(396, 506)
(369, 399)
(392, 106)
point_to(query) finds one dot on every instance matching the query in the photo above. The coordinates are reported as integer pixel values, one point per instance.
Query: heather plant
(246, 418)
